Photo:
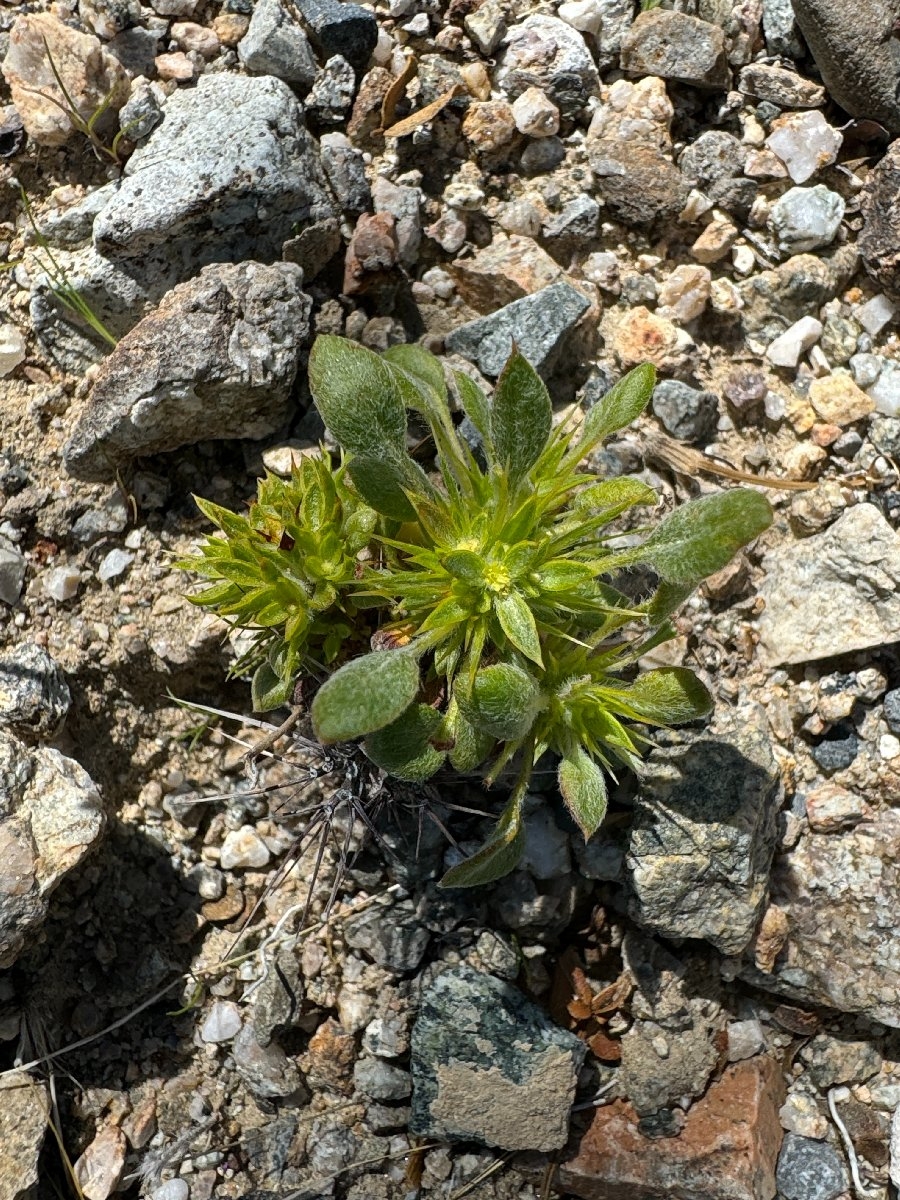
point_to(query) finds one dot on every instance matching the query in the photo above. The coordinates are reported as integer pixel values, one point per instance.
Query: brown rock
(331, 1055)
(838, 400)
(371, 254)
(506, 270)
(489, 126)
(90, 74)
(832, 807)
(365, 119)
(727, 1149)
(643, 337)
(672, 45)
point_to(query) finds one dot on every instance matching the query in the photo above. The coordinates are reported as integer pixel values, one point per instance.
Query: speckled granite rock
(704, 834)
(839, 895)
(489, 1066)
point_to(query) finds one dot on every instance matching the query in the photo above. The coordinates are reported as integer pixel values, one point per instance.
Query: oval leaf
(703, 535)
(583, 788)
(475, 405)
(618, 408)
(380, 483)
(268, 690)
(366, 694)
(668, 696)
(403, 748)
(471, 746)
(521, 416)
(417, 362)
(357, 397)
(517, 622)
(503, 701)
(498, 856)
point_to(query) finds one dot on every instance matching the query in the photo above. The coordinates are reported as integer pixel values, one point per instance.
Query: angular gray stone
(672, 45)
(853, 571)
(380, 1080)
(832, 1060)
(774, 300)
(670, 1050)
(839, 895)
(333, 91)
(857, 54)
(809, 1170)
(489, 1066)
(216, 359)
(538, 324)
(879, 238)
(704, 833)
(12, 573)
(545, 52)
(806, 218)
(345, 170)
(686, 412)
(230, 167)
(51, 815)
(341, 27)
(393, 937)
(275, 44)
(34, 695)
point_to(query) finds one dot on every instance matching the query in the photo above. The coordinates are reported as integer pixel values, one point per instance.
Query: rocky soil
(704, 1002)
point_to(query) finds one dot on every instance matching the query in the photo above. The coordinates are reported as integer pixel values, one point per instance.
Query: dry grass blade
(395, 92)
(690, 462)
(417, 119)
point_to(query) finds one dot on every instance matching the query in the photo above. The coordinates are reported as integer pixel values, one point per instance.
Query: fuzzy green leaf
(583, 788)
(424, 368)
(618, 408)
(465, 565)
(380, 482)
(475, 406)
(366, 694)
(517, 622)
(471, 746)
(357, 397)
(404, 749)
(269, 690)
(521, 416)
(498, 856)
(503, 701)
(703, 535)
(613, 496)
(560, 575)
(668, 696)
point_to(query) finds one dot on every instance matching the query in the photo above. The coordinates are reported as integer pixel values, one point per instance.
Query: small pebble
(176, 67)
(805, 143)
(114, 564)
(876, 314)
(787, 349)
(222, 1023)
(243, 848)
(172, 1189)
(12, 349)
(806, 219)
(535, 114)
(62, 583)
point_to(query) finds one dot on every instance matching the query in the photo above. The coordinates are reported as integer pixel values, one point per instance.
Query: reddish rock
(372, 252)
(727, 1149)
(506, 270)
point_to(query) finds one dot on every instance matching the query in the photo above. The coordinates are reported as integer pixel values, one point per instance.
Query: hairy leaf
(668, 696)
(475, 406)
(422, 366)
(703, 535)
(503, 701)
(365, 695)
(471, 746)
(521, 416)
(381, 484)
(517, 622)
(357, 397)
(498, 856)
(404, 749)
(583, 788)
(269, 690)
(618, 408)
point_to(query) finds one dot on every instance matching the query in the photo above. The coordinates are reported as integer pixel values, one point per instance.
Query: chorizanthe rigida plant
(468, 615)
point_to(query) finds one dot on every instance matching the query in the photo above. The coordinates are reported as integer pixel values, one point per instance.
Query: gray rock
(217, 359)
(51, 815)
(392, 937)
(879, 238)
(774, 300)
(575, 224)
(546, 853)
(142, 113)
(34, 695)
(779, 86)
(380, 1080)
(71, 226)
(672, 45)
(857, 55)
(853, 570)
(275, 44)
(780, 29)
(714, 163)
(489, 1066)
(136, 49)
(542, 156)
(892, 710)
(843, 949)
(546, 53)
(809, 1170)
(638, 184)
(687, 413)
(486, 26)
(341, 27)
(615, 21)
(538, 324)
(24, 1113)
(345, 170)
(266, 1070)
(404, 204)
(838, 749)
(12, 574)
(277, 1000)
(832, 1060)
(332, 93)
(229, 174)
(806, 218)
(704, 834)
(314, 247)
(670, 1050)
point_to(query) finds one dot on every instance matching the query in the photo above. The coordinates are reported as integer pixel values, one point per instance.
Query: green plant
(488, 589)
